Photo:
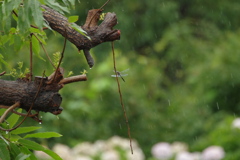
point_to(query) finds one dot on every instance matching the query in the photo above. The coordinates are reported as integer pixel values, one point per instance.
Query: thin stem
(17, 104)
(104, 4)
(121, 99)
(31, 54)
(97, 12)
(1, 74)
(60, 61)
(45, 51)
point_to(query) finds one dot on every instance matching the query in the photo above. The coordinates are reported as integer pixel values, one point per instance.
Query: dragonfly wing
(126, 70)
(115, 76)
(124, 75)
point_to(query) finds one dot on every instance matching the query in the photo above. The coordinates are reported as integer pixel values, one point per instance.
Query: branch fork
(97, 33)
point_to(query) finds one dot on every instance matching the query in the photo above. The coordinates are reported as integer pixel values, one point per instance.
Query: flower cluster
(179, 151)
(115, 148)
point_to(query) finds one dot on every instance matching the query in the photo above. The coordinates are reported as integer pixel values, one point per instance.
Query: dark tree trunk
(24, 92)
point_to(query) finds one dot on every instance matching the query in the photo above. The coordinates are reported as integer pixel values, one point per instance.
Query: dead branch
(98, 34)
(73, 79)
(24, 91)
(1, 74)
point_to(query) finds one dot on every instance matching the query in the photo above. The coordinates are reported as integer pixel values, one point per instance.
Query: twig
(45, 51)
(97, 12)
(17, 104)
(1, 74)
(73, 79)
(13, 111)
(31, 69)
(60, 61)
(121, 99)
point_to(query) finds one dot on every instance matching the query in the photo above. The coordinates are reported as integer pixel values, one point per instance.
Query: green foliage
(15, 144)
(18, 73)
(56, 58)
(21, 24)
(102, 16)
(79, 30)
(73, 19)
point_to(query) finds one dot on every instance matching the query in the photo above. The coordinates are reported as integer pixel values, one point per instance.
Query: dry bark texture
(98, 34)
(42, 93)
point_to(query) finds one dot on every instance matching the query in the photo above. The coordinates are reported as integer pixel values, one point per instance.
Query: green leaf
(80, 30)
(39, 35)
(17, 43)
(4, 152)
(12, 120)
(52, 154)
(37, 13)
(35, 45)
(2, 61)
(31, 145)
(35, 146)
(21, 130)
(56, 6)
(43, 135)
(23, 21)
(14, 149)
(2, 110)
(26, 151)
(72, 2)
(22, 156)
(5, 10)
(14, 137)
(72, 19)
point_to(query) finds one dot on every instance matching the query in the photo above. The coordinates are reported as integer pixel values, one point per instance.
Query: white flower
(162, 151)
(184, 156)
(63, 151)
(188, 156)
(84, 148)
(178, 147)
(137, 154)
(100, 146)
(213, 153)
(42, 155)
(82, 158)
(196, 156)
(236, 123)
(118, 141)
(110, 155)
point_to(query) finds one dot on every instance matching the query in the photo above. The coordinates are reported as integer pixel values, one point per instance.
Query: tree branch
(98, 34)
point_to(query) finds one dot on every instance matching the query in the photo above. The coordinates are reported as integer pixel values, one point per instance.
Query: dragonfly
(119, 74)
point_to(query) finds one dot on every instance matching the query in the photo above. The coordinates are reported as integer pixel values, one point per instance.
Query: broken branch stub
(48, 99)
(24, 92)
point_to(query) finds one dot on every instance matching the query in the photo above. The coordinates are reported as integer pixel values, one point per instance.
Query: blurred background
(183, 81)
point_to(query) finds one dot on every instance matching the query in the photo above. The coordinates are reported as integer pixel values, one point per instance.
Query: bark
(42, 93)
(24, 92)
